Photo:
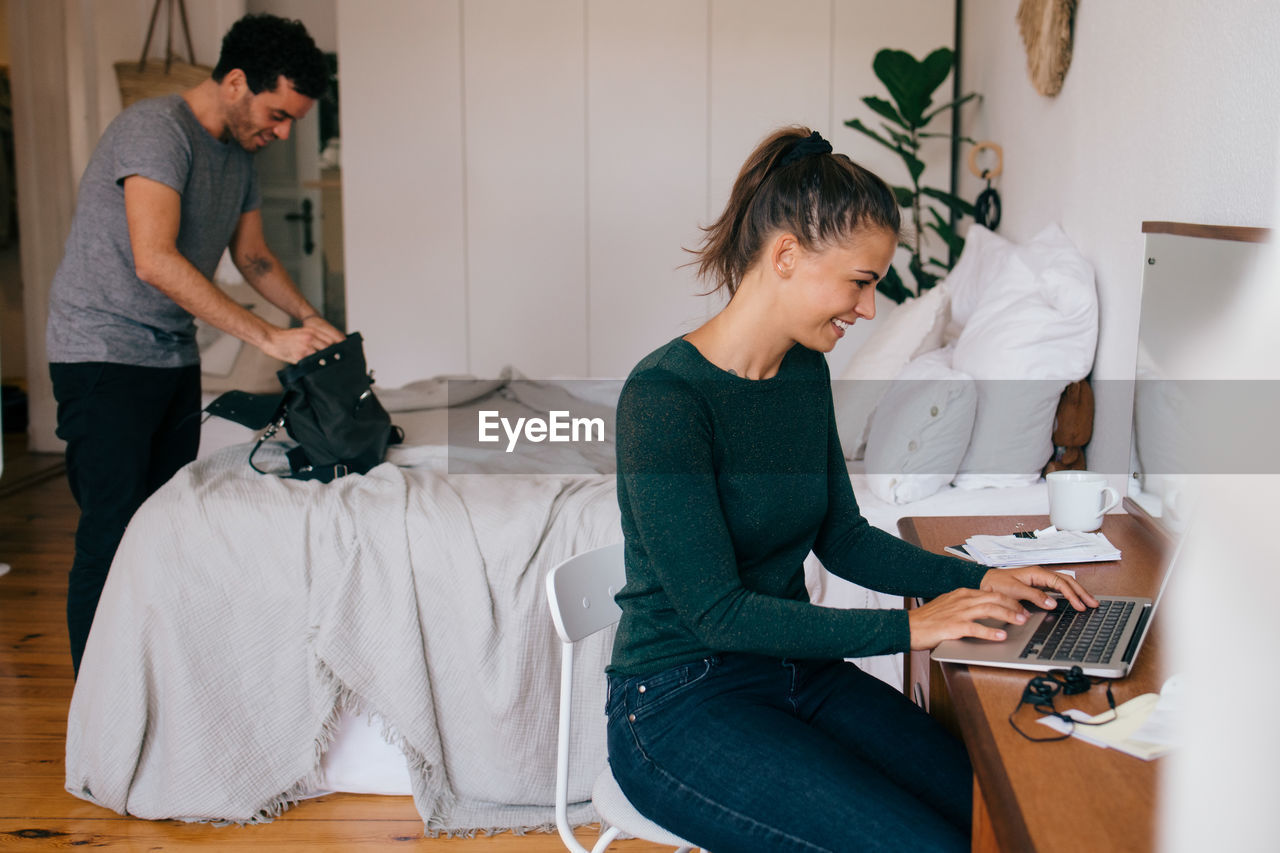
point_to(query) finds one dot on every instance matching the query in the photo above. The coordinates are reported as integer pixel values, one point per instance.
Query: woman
(733, 719)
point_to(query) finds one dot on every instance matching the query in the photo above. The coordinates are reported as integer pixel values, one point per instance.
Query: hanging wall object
(986, 210)
(152, 78)
(1046, 32)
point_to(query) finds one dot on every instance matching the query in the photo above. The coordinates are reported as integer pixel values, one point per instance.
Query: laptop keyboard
(1075, 636)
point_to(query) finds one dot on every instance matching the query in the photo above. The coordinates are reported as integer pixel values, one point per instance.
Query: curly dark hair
(265, 47)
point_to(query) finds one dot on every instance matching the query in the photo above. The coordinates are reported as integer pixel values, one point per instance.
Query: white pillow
(920, 430)
(1031, 328)
(985, 255)
(912, 328)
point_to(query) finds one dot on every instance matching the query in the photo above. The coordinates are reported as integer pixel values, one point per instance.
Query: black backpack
(328, 407)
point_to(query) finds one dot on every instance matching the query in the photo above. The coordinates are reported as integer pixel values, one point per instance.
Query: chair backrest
(580, 594)
(581, 589)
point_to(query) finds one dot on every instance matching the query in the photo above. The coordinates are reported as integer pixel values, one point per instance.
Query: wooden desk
(1065, 795)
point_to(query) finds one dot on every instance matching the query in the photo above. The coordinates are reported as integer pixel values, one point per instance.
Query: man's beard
(240, 126)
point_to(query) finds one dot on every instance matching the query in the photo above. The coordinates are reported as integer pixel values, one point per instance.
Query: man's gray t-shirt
(99, 310)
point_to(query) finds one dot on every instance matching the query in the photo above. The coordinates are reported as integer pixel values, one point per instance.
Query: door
(292, 207)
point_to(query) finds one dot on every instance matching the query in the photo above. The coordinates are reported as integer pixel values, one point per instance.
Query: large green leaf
(857, 125)
(911, 82)
(935, 68)
(885, 109)
(891, 286)
(905, 196)
(954, 202)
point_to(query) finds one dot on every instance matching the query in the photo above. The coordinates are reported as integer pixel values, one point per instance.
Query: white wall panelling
(525, 125)
(596, 136)
(403, 199)
(647, 174)
(770, 66)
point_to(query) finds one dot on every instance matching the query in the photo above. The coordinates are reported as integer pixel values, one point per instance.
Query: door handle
(305, 217)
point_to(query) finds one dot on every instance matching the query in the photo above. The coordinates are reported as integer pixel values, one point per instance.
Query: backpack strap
(302, 469)
(271, 430)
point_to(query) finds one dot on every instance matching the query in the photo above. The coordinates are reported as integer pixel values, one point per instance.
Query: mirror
(1189, 273)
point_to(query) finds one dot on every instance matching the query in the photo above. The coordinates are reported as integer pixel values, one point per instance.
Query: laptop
(1102, 641)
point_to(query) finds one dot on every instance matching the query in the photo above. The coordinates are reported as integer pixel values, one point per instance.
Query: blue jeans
(747, 753)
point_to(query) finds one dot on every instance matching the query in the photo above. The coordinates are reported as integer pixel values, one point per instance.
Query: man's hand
(293, 345)
(327, 332)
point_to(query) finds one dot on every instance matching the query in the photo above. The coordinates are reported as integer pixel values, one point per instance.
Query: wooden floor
(37, 523)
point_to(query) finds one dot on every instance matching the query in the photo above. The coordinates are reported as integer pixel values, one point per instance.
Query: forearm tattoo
(258, 265)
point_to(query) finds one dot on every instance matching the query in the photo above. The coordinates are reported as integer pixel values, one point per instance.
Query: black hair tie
(813, 144)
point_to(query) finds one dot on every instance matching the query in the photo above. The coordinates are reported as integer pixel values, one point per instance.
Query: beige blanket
(244, 612)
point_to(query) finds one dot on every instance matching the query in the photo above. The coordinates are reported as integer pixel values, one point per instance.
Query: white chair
(580, 591)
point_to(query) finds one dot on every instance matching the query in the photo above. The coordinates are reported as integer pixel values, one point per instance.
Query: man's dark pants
(127, 429)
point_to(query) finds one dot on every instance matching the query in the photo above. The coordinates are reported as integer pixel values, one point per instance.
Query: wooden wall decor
(1046, 27)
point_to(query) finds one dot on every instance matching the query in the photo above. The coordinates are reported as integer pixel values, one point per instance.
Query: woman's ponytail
(792, 182)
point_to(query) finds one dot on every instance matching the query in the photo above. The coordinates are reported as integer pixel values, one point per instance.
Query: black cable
(1041, 691)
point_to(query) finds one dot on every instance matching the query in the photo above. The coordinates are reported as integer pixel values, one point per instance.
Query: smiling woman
(799, 248)
(730, 473)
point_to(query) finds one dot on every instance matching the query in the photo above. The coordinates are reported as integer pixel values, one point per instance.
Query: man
(170, 186)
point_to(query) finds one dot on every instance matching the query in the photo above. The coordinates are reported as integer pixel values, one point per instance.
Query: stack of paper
(1043, 547)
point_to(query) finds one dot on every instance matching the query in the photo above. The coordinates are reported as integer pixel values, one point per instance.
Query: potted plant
(911, 84)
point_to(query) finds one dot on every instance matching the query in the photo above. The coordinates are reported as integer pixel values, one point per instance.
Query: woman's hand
(1025, 583)
(955, 614)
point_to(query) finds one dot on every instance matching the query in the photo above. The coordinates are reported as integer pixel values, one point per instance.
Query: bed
(388, 634)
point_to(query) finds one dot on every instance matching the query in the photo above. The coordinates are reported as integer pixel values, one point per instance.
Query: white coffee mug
(1079, 499)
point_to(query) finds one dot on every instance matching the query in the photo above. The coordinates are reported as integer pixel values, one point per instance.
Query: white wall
(1169, 112)
(520, 177)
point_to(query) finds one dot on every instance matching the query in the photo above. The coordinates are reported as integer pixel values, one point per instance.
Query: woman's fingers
(1029, 582)
(999, 607)
(1075, 592)
(956, 614)
(1067, 586)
